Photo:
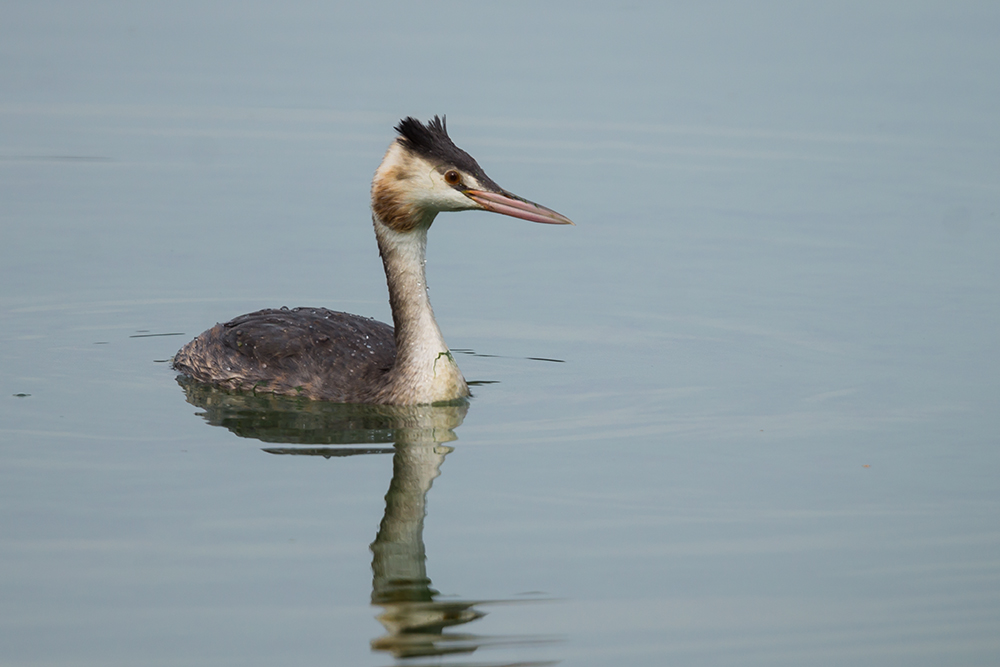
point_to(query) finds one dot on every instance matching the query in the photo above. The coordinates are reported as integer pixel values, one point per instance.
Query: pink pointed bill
(517, 208)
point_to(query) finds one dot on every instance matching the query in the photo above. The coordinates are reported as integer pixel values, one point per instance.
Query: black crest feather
(431, 141)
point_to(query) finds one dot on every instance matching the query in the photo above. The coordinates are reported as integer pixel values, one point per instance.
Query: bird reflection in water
(415, 619)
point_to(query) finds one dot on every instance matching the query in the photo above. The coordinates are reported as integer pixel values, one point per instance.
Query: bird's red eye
(451, 177)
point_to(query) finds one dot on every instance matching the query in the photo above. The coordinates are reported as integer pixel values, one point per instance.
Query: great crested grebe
(327, 355)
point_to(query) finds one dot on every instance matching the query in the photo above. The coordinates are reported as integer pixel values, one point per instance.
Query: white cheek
(443, 197)
(457, 200)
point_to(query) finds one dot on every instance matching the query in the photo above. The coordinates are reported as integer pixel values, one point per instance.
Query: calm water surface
(743, 414)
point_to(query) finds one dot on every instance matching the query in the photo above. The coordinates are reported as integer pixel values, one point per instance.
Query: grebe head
(424, 173)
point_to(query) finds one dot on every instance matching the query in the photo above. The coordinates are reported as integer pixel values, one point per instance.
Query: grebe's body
(333, 356)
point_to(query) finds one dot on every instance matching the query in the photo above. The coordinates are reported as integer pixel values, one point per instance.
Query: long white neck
(425, 371)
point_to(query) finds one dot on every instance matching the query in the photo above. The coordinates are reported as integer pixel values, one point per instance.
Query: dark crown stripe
(431, 141)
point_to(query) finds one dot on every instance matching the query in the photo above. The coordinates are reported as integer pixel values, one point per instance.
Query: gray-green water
(743, 414)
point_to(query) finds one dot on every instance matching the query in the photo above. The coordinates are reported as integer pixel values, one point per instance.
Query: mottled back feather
(312, 352)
